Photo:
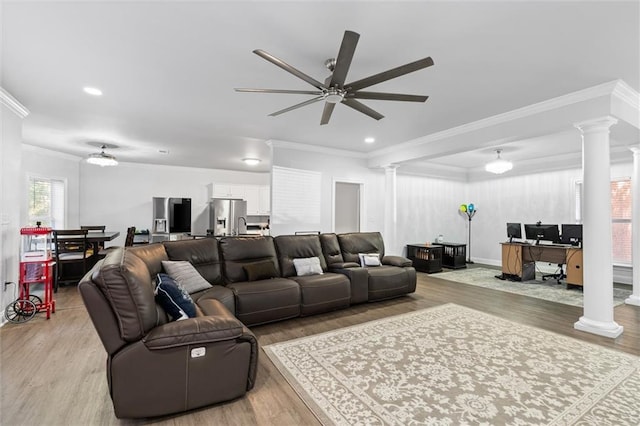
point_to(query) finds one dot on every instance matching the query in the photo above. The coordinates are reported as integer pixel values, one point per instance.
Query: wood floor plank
(53, 371)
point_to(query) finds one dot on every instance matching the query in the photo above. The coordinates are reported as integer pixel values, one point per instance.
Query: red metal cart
(36, 267)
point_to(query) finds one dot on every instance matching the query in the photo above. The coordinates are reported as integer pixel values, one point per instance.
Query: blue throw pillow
(174, 300)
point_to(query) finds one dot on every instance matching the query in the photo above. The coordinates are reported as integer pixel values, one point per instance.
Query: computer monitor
(542, 232)
(514, 230)
(571, 233)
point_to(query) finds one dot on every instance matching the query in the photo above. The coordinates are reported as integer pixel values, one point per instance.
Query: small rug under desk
(547, 290)
(452, 365)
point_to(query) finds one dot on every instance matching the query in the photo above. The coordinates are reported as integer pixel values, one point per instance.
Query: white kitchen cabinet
(252, 195)
(264, 199)
(229, 190)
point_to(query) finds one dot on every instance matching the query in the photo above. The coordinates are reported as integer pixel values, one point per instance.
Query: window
(46, 202)
(620, 218)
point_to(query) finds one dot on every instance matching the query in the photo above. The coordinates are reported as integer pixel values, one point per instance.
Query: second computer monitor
(571, 233)
(540, 232)
(514, 230)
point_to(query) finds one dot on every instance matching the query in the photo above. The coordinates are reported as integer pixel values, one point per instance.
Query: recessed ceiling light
(369, 140)
(251, 161)
(92, 91)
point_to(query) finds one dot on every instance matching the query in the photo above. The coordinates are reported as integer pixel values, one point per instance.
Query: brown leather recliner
(156, 367)
(394, 277)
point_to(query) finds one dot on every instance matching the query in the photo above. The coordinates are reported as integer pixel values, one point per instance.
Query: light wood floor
(53, 372)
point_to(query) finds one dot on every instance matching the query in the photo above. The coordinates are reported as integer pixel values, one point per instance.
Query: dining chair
(98, 248)
(71, 252)
(131, 233)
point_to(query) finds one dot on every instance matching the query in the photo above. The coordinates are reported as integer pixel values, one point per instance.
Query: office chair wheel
(20, 311)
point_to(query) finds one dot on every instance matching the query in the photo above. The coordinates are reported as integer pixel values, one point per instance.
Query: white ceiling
(168, 69)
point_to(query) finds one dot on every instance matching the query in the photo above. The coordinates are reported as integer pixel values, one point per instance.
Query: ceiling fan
(334, 90)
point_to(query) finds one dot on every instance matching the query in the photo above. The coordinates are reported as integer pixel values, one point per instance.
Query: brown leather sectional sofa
(157, 367)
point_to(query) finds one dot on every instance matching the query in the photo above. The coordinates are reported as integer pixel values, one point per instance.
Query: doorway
(347, 207)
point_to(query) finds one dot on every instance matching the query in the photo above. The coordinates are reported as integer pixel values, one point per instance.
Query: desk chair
(71, 252)
(558, 275)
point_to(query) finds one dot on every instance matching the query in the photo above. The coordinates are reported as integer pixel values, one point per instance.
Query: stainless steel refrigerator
(227, 217)
(171, 218)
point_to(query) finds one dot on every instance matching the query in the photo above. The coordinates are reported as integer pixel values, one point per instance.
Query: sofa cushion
(290, 247)
(174, 299)
(202, 253)
(331, 249)
(239, 251)
(259, 302)
(323, 293)
(186, 275)
(219, 293)
(307, 266)
(389, 281)
(152, 255)
(262, 270)
(354, 243)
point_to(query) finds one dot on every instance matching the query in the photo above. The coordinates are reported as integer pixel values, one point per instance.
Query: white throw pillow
(307, 266)
(184, 273)
(369, 259)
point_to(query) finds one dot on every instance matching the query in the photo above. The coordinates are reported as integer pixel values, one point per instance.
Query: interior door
(347, 207)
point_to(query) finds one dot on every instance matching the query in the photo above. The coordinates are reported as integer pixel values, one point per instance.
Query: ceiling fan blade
(343, 61)
(358, 106)
(326, 112)
(296, 106)
(293, 92)
(388, 75)
(282, 64)
(387, 96)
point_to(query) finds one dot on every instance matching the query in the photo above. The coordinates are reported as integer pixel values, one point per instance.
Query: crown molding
(625, 93)
(12, 103)
(315, 148)
(600, 90)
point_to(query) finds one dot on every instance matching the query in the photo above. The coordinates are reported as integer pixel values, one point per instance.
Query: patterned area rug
(546, 290)
(452, 365)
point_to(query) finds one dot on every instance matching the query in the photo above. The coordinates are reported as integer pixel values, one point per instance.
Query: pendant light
(102, 159)
(499, 165)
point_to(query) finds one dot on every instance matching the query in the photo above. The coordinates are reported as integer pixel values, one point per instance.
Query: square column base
(607, 329)
(632, 300)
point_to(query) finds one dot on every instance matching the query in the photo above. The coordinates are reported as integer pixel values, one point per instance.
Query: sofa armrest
(205, 329)
(396, 261)
(342, 265)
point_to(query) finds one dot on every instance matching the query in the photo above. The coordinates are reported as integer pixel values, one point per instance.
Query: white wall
(547, 197)
(120, 197)
(10, 195)
(427, 207)
(335, 168)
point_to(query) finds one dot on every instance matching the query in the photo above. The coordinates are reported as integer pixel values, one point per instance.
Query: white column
(596, 218)
(390, 203)
(634, 299)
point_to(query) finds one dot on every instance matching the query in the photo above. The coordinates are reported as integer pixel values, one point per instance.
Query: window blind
(296, 199)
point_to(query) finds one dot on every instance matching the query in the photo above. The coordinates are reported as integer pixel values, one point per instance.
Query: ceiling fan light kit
(102, 159)
(334, 90)
(499, 165)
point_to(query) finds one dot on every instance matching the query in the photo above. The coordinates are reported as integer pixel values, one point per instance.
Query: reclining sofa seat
(262, 300)
(152, 368)
(318, 293)
(395, 277)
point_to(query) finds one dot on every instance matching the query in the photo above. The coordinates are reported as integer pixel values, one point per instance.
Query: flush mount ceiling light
(92, 91)
(251, 161)
(102, 159)
(499, 165)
